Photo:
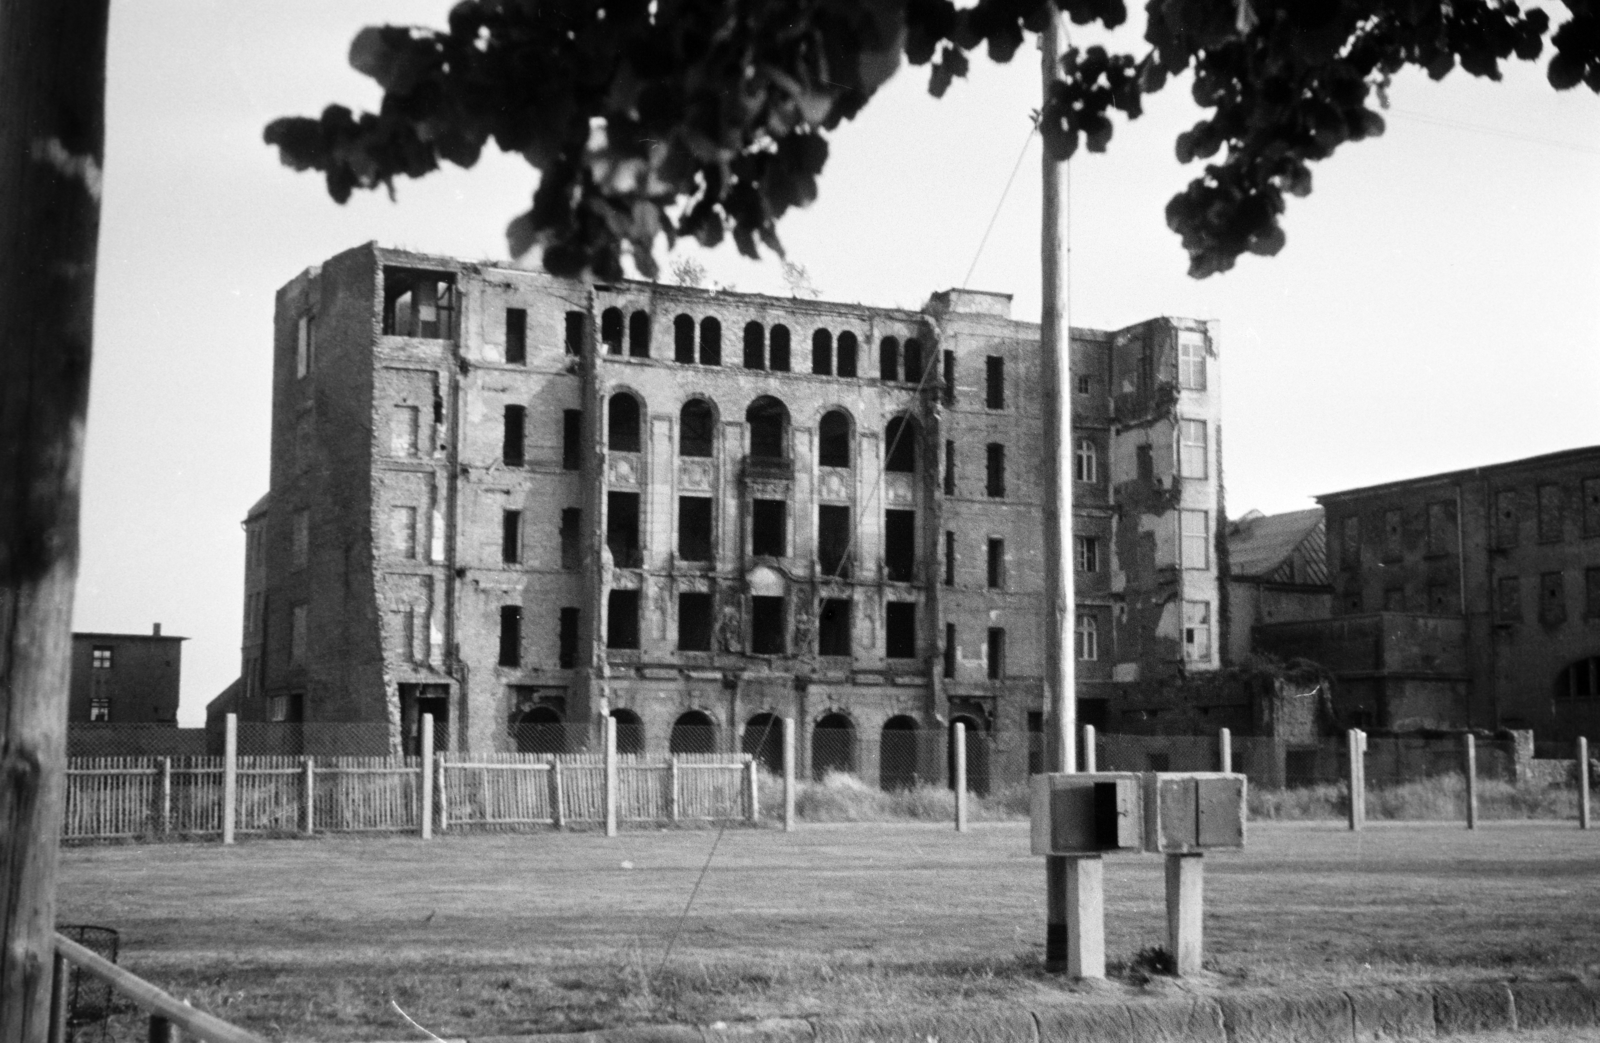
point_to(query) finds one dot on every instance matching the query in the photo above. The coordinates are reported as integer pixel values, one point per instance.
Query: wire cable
(1032, 130)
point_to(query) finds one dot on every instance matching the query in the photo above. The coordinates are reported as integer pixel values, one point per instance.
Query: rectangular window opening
(1197, 631)
(1508, 599)
(577, 324)
(571, 537)
(1441, 527)
(1192, 454)
(995, 482)
(1087, 552)
(949, 467)
(994, 382)
(622, 529)
(511, 537)
(833, 539)
(997, 563)
(997, 653)
(419, 304)
(512, 451)
(833, 627)
(694, 528)
(900, 545)
(567, 639)
(622, 618)
(510, 635)
(1195, 529)
(517, 336)
(769, 528)
(571, 439)
(1191, 361)
(949, 651)
(694, 622)
(1551, 503)
(1552, 599)
(949, 389)
(949, 558)
(900, 629)
(767, 626)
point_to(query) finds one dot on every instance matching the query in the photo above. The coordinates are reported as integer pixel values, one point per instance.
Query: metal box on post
(1087, 813)
(1193, 811)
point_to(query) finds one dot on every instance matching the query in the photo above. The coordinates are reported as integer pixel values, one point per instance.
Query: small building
(125, 678)
(1277, 572)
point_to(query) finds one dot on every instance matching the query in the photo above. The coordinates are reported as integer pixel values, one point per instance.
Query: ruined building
(516, 502)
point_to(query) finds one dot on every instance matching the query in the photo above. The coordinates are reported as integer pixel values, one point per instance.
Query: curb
(1372, 1014)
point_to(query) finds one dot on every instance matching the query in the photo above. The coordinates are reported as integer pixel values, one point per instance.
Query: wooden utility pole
(1074, 941)
(52, 137)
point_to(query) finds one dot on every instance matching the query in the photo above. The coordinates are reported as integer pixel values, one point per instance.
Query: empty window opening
(697, 427)
(693, 732)
(833, 627)
(694, 622)
(900, 629)
(571, 534)
(1144, 462)
(1197, 631)
(510, 635)
(995, 480)
(949, 651)
(889, 359)
(897, 753)
(997, 563)
(576, 325)
(778, 349)
(911, 354)
(694, 528)
(622, 529)
(763, 740)
(639, 335)
(994, 382)
(630, 731)
(949, 558)
(848, 349)
(1580, 680)
(419, 304)
(536, 729)
(571, 439)
(769, 523)
(516, 336)
(567, 639)
(767, 625)
(511, 537)
(622, 619)
(1192, 454)
(833, 746)
(949, 467)
(997, 653)
(683, 339)
(833, 439)
(1086, 639)
(611, 330)
(755, 346)
(511, 450)
(710, 341)
(948, 392)
(1085, 462)
(622, 424)
(900, 545)
(305, 346)
(822, 353)
(900, 443)
(768, 419)
(1087, 551)
(833, 539)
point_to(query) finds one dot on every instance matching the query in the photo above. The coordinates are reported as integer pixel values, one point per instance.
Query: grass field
(565, 931)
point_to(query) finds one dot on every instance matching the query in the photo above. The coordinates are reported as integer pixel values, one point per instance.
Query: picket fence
(110, 798)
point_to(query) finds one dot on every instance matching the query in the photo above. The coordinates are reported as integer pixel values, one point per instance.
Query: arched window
(755, 346)
(639, 335)
(683, 339)
(1084, 465)
(833, 746)
(630, 731)
(693, 732)
(779, 360)
(697, 427)
(611, 330)
(900, 445)
(822, 353)
(622, 424)
(763, 739)
(710, 341)
(539, 730)
(847, 355)
(769, 428)
(888, 359)
(897, 753)
(833, 439)
(913, 361)
(1086, 639)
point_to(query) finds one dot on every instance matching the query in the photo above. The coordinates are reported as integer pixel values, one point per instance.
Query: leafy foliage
(706, 118)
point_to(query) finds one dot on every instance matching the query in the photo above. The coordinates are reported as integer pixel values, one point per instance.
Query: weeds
(842, 797)
(1440, 797)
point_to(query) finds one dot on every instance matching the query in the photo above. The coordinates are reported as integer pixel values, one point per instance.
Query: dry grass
(842, 797)
(550, 932)
(1441, 798)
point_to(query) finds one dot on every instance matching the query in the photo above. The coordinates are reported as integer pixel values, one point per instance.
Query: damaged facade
(511, 500)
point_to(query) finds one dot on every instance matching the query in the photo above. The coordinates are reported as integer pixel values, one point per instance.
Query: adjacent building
(521, 503)
(125, 678)
(1277, 572)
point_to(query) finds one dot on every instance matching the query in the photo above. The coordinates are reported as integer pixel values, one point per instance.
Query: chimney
(155, 630)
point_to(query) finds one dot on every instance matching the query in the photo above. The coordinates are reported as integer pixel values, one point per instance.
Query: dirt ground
(324, 938)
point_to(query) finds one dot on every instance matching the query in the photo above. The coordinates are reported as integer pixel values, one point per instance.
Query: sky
(1437, 305)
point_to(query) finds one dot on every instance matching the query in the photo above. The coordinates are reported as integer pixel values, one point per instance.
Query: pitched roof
(1286, 548)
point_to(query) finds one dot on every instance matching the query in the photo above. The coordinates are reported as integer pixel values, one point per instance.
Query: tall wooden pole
(52, 134)
(1074, 929)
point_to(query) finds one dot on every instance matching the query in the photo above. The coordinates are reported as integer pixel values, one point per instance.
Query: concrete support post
(1358, 789)
(308, 785)
(1185, 902)
(230, 775)
(753, 785)
(788, 775)
(1470, 750)
(1583, 783)
(1075, 937)
(672, 789)
(166, 794)
(1088, 748)
(612, 780)
(441, 791)
(1224, 750)
(558, 814)
(426, 769)
(60, 998)
(960, 738)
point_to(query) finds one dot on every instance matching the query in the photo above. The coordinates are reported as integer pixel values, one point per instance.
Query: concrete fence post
(1225, 749)
(1358, 793)
(166, 794)
(753, 784)
(1088, 761)
(612, 779)
(672, 789)
(1076, 928)
(788, 775)
(960, 780)
(230, 775)
(309, 784)
(1470, 749)
(1185, 920)
(558, 815)
(441, 788)
(1583, 782)
(425, 768)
